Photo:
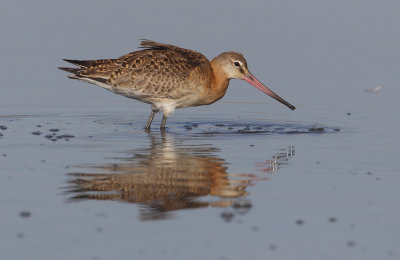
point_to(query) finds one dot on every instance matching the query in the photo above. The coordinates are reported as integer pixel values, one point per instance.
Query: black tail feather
(80, 63)
(71, 70)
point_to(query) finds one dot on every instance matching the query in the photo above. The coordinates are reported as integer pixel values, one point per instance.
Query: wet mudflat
(244, 178)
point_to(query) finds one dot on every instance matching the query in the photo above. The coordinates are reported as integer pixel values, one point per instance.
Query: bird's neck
(219, 81)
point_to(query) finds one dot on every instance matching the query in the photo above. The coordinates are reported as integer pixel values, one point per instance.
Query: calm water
(245, 178)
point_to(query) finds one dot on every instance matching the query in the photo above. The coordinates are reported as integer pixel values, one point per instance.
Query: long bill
(253, 81)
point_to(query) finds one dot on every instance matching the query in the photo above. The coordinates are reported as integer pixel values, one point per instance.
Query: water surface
(245, 178)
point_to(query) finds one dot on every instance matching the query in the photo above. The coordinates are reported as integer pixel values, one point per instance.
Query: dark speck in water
(316, 129)
(20, 235)
(332, 219)
(272, 247)
(242, 206)
(3, 127)
(48, 136)
(25, 214)
(195, 125)
(36, 133)
(54, 130)
(350, 243)
(220, 125)
(299, 222)
(348, 114)
(39, 126)
(227, 216)
(294, 132)
(1, 134)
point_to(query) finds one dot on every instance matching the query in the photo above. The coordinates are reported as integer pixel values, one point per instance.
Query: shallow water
(244, 178)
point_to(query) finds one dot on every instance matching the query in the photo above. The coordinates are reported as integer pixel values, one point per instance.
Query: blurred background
(301, 49)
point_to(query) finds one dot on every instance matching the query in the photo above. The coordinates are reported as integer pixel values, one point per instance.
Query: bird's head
(234, 66)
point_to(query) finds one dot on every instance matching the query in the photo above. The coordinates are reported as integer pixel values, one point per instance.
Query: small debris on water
(316, 129)
(227, 215)
(242, 206)
(377, 89)
(254, 228)
(299, 222)
(36, 133)
(25, 214)
(350, 243)
(54, 130)
(349, 114)
(220, 125)
(99, 229)
(332, 219)
(39, 126)
(3, 127)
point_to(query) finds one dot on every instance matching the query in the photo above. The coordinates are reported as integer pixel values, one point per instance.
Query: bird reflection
(164, 177)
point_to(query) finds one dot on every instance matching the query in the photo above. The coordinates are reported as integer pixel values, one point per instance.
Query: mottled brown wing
(161, 70)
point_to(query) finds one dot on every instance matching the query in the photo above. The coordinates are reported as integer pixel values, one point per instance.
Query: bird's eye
(236, 64)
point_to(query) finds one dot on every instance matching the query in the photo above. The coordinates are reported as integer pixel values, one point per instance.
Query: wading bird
(168, 77)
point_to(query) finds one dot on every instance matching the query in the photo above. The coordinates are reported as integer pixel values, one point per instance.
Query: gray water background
(333, 195)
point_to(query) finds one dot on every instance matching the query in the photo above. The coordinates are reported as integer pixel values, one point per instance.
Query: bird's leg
(153, 112)
(163, 121)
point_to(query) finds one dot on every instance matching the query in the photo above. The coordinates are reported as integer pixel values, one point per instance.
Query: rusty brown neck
(219, 82)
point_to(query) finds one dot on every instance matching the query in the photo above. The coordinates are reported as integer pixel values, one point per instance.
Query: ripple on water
(215, 128)
(212, 128)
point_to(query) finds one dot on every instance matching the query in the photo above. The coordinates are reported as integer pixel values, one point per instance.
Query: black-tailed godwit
(168, 77)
